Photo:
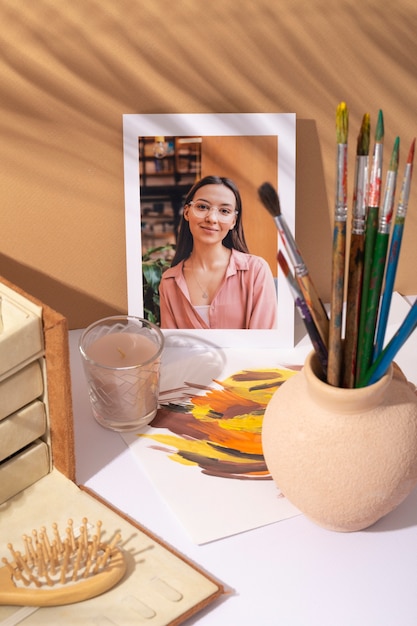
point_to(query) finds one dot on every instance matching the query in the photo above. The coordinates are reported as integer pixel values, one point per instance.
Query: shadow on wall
(79, 308)
(313, 221)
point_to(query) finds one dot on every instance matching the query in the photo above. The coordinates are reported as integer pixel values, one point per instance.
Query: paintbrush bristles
(379, 131)
(342, 123)
(364, 136)
(270, 199)
(395, 156)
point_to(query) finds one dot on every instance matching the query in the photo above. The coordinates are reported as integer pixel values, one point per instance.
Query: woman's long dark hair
(235, 238)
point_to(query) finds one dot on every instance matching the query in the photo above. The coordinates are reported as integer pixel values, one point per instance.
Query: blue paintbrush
(394, 253)
(385, 358)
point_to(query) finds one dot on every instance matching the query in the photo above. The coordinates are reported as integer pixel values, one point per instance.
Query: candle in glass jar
(121, 358)
(121, 349)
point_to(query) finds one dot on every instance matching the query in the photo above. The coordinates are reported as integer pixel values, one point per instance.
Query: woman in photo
(213, 281)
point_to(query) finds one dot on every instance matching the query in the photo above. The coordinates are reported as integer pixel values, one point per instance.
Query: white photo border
(283, 125)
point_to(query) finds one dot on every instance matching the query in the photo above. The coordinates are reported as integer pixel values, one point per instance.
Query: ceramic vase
(343, 457)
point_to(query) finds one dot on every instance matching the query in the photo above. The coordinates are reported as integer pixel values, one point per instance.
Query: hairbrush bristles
(57, 570)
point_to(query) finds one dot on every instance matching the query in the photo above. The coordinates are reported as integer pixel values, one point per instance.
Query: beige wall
(248, 161)
(69, 70)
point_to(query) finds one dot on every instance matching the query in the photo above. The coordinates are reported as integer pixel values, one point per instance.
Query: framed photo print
(173, 164)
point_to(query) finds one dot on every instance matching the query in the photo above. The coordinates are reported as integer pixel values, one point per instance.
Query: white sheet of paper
(211, 507)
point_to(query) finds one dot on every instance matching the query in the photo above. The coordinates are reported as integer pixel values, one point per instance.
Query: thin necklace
(204, 293)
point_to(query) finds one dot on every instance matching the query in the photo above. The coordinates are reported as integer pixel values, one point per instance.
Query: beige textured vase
(343, 457)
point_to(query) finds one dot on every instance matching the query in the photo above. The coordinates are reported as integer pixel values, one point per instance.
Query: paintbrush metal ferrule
(406, 185)
(290, 246)
(360, 189)
(375, 180)
(341, 184)
(342, 127)
(360, 200)
(405, 193)
(387, 208)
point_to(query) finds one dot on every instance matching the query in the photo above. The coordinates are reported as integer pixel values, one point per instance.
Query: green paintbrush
(374, 197)
(379, 262)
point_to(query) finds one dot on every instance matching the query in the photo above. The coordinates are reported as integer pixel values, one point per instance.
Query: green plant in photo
(154, 262)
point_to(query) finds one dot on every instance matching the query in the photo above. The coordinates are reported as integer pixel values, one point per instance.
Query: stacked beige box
(24, 449)
(37, 482)
(36, 423)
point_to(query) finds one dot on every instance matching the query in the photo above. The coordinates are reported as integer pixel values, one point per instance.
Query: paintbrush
(379, 262)
(270, 200)
(394, 253)
(305, 314)
(386, 357)
(334, 369)
(374, 198)
(357, 240)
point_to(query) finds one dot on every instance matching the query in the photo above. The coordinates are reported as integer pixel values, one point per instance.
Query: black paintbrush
(270, 200)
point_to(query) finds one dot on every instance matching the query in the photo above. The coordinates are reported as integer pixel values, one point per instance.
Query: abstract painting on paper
(203, 451)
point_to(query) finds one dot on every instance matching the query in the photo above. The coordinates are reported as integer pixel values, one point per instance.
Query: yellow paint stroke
(201, 448)
(227, 419)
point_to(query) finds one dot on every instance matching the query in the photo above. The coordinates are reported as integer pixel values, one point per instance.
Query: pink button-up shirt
(246, 298)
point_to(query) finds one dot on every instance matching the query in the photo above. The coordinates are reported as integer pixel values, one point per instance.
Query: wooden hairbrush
(61, 571)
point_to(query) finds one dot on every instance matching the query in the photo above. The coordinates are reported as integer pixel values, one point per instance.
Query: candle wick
(122, 354)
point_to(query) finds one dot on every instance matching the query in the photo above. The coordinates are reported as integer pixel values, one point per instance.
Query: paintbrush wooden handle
(315, 305)
(370, 236)
(353, 304)
(336, 304)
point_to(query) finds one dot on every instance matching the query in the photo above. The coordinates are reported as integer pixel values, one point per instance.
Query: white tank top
(203, 312)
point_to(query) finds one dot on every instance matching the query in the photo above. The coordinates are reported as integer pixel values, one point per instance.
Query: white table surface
(290, 573)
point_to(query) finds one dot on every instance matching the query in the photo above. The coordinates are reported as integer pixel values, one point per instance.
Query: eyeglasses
(202, 209)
